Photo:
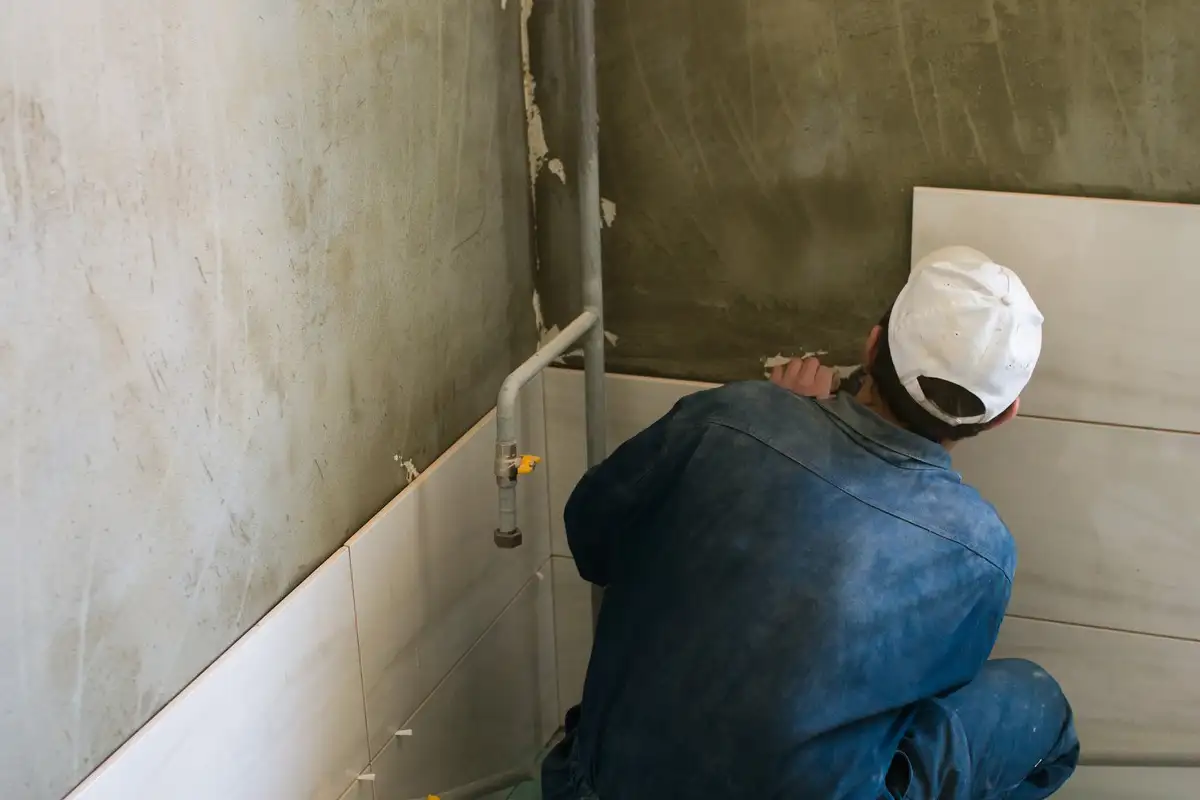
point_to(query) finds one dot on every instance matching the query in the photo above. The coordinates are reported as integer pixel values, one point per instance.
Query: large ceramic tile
(1135, 697)
(1132, 783)
(572, 631)
(484, 719)
(1116, 281)
(278, 715)
(1104, 519)
(633, 403)
(428, 578)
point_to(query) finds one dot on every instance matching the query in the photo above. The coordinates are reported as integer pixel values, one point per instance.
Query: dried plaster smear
(533, 115)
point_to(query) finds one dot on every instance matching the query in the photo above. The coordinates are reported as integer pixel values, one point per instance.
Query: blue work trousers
(1007, 735)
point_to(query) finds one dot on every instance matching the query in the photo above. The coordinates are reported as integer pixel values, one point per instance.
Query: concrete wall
(254, 256)
(761, 155)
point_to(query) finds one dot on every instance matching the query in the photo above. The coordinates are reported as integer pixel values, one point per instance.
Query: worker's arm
(611, 497)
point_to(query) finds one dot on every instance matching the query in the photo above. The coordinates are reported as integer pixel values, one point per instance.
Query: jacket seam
(940, 534)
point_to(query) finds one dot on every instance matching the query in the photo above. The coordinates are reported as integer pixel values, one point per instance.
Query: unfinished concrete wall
(761, 155)
(254, 257)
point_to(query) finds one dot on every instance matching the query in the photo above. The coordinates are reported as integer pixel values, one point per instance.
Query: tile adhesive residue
(539, 158)
(538, 150)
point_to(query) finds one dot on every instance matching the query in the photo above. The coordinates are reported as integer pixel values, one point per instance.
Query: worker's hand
(806, 377)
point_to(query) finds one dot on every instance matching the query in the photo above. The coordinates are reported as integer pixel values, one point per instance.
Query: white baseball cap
(964, 319)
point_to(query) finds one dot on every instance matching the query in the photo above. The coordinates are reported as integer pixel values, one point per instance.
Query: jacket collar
(869, 425)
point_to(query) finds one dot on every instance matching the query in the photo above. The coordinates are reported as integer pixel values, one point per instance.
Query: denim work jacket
(784, 578)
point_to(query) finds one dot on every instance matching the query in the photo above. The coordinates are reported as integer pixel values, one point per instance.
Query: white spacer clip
(404, 732)
(366, 776)
(540, 576)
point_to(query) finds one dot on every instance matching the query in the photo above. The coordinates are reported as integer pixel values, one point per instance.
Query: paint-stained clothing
(787, 582)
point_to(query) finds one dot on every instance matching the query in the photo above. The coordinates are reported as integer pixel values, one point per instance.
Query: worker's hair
(950, 397)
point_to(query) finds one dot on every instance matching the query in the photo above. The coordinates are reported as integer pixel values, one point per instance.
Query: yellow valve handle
(524, 467)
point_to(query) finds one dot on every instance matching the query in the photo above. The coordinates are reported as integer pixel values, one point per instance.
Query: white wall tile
(1104, 518)
(428, 579)
(484, 718)
(1132, 783)
(550, 720)
(1116, 281)
(278, 715)
(572, 631)
(633, 404)
(1134, 696)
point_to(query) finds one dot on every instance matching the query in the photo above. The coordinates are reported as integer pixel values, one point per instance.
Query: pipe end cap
(508, 541)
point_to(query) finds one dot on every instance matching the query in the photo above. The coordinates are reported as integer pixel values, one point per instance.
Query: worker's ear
(1010, 413)
(872, 346)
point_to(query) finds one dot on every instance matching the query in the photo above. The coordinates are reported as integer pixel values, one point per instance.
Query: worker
(801, 595)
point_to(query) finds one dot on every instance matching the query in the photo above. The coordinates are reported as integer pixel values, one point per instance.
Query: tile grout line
(1117, 425)
(1105, 628)
(474, 646)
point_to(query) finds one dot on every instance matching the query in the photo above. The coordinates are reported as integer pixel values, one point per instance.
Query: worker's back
(785, 577)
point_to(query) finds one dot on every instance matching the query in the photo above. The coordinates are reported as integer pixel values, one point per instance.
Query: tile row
(1115, 280)
(1103, 521)
(419, 625)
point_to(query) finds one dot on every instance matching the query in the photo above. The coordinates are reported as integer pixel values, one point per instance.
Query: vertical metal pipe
(589, 230)
(589, 237)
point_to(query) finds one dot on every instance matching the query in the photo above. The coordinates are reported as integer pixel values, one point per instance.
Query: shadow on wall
(762, 155)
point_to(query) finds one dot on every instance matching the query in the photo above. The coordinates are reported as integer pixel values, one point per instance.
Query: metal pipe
(589, 325)
(589, 231)
(589, 235)
(508, 535)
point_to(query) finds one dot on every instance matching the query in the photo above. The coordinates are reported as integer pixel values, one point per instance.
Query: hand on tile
(806, 377)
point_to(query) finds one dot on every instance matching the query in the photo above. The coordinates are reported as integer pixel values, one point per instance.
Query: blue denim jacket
(785, 578)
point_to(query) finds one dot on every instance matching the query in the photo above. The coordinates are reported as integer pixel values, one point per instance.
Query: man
(801, 595)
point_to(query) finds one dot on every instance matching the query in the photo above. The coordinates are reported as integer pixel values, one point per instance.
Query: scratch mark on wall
(937, 108)
(747, 150)
(556, 166)
(608, 212)
(902, 41)
(688, 117)
(995, 36)
(640, 69)
(1135, 141)
(436, 206)
(461, 119)
(250, 570)
(975, 135)
(748, 9)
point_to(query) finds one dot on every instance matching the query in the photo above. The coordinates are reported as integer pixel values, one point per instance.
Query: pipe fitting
(507, 541)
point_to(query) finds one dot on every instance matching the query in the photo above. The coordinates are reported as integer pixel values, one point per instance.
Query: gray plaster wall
(254, 256)
(761, 155)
